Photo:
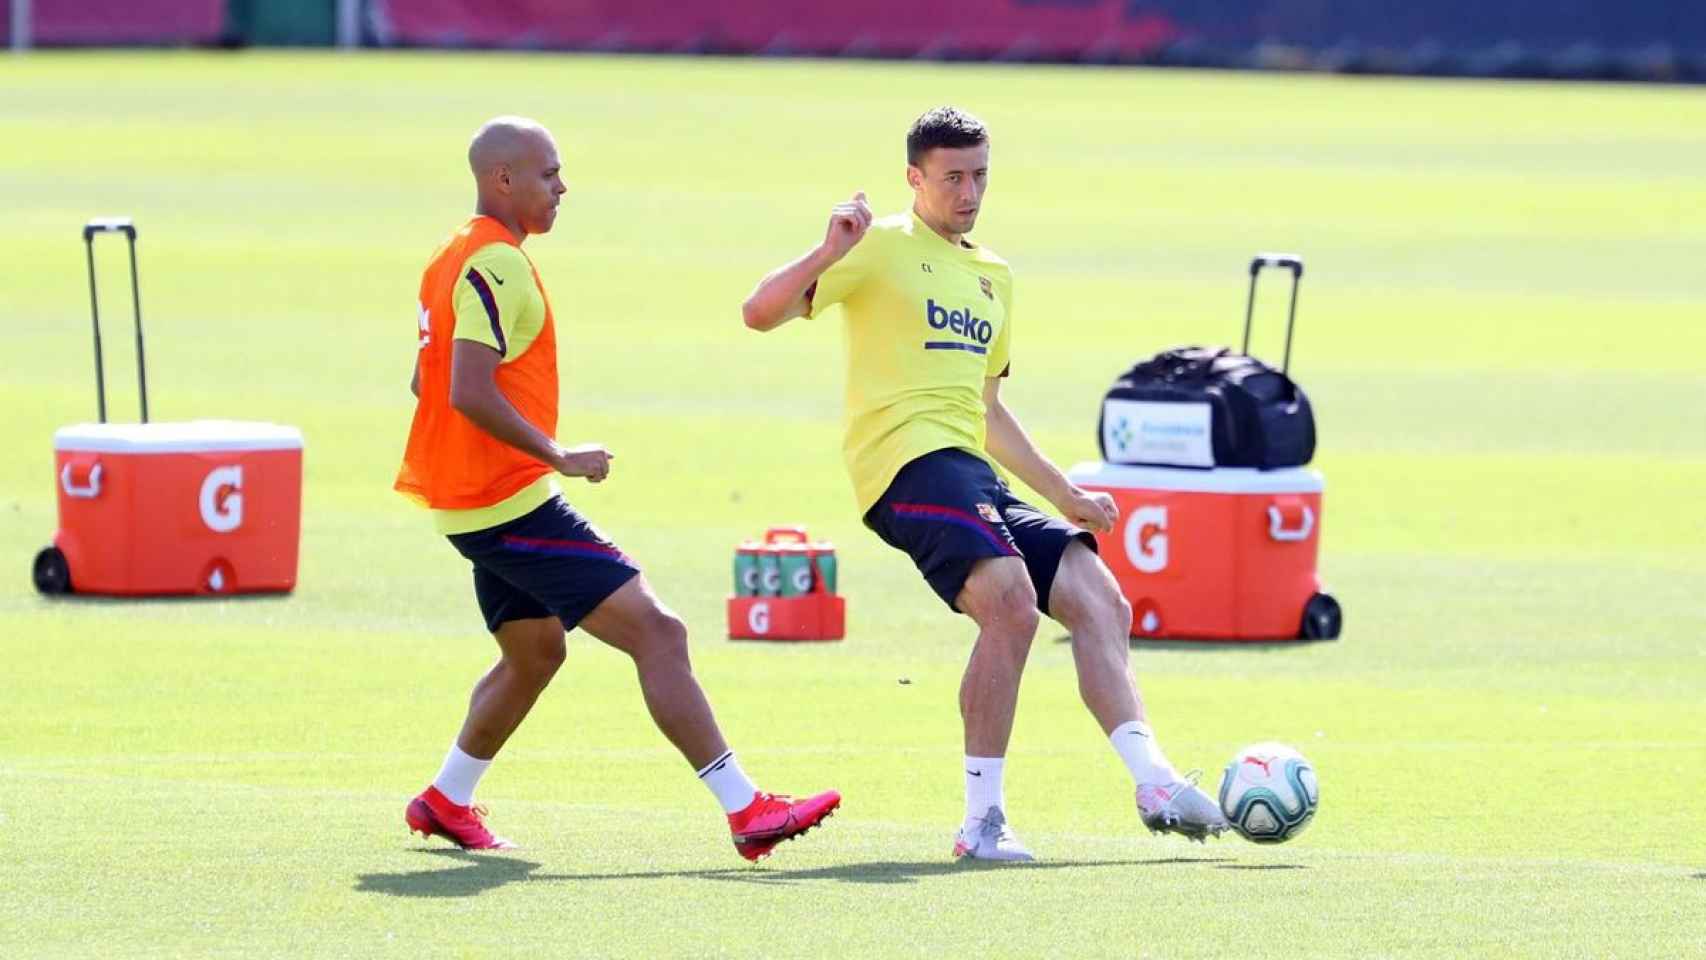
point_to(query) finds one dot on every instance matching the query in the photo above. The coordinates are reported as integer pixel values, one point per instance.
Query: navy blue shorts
(947, 510)
(548, 563)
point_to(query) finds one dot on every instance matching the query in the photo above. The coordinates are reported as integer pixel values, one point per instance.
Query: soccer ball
(1269, 793)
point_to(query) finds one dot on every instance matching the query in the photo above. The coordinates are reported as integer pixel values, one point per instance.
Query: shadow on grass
(1188, 643)
(1700, 876)
(1261, 866)
(165, 600)
(476, 873)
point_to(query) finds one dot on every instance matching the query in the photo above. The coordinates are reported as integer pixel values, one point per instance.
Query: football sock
(1135, 743)
(459, 776)
(728, 782)
(983, 787)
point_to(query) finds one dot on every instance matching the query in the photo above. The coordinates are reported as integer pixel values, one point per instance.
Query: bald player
(483, 457)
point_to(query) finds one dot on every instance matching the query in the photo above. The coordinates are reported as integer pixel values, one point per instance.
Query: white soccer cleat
(989, 838)
(1179, 807)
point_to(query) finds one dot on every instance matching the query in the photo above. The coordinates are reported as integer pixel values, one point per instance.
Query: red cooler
(1223, 554)
(147, 509)
(210, 506)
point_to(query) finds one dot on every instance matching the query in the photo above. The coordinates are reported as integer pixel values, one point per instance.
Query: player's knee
(664, 639)
(1023, 613)
(532, 647)
(1000, 598)
(1013, 615)
(551, 652)
(541, 660)
(672, 634)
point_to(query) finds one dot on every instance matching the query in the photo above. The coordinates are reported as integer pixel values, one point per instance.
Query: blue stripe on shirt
(491, 304)
(953, 345)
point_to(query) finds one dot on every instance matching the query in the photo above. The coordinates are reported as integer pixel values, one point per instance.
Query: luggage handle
(1287, 261)
(88, 491)
(123, 225)
(1277, 528)
(109, 225)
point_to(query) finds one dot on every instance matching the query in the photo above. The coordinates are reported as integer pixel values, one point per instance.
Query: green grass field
(1501, 330)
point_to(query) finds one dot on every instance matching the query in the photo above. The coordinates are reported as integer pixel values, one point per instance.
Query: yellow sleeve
(1000, 352)
(843, 278)
(491, 294)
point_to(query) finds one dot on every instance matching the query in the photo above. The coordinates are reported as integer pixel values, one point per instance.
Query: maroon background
(104, 22)
(980, 28)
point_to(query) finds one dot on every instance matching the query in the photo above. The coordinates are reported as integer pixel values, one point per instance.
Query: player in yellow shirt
(927, 322)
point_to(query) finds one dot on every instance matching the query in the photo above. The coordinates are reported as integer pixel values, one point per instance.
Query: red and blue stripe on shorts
(550, 547)
(940, 514)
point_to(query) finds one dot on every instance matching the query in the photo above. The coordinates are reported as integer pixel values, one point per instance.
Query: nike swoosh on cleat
(496, 278)
(975, 773)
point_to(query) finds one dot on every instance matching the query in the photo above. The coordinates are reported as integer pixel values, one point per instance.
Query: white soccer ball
(1269, 793)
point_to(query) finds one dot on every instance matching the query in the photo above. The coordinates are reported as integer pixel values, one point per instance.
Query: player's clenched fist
(589, 460)
(1092, 511)
(847, 225)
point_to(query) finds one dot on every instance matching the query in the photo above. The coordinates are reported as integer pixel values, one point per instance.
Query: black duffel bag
(1205, 407)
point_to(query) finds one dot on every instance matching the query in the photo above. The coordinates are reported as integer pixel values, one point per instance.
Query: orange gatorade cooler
(145, 509)
(803, 605)
(1224, 554)
(210, 506)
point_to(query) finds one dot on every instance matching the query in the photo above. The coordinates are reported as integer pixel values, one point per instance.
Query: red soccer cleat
(770, 819)
(433, 813)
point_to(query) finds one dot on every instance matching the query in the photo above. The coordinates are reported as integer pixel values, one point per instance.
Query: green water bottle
(769, 571)
(795, 566)
(746, 569)
(824, 555)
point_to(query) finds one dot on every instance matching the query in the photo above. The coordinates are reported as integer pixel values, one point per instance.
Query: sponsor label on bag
(1144, 431)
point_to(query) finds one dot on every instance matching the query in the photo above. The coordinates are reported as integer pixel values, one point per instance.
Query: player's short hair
(943, 127)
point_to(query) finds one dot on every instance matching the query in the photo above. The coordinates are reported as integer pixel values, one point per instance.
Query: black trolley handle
(1288, 261)
(124, 226)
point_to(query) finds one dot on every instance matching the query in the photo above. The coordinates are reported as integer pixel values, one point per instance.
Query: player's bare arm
(781, 295)
(474, 393)
(415, 381)
(1011, 447)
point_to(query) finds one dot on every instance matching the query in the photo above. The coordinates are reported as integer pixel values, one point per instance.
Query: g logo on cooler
(758, 618)
(1146, 539)
(222, 499)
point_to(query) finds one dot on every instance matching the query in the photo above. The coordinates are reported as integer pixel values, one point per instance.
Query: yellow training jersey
(499, 304)
(925, 323)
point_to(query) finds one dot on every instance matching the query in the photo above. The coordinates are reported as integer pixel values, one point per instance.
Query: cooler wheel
(1322, 618)
(52, 574)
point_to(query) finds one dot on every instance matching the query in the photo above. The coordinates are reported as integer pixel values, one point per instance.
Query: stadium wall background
(1659, 40)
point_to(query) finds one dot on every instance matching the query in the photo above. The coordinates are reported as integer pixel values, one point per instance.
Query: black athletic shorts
(548, 563)
(947, 510)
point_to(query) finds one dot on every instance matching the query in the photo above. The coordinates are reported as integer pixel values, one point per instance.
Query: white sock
(1136, 745)
(459, 776)
(729, 782)
(983, 787)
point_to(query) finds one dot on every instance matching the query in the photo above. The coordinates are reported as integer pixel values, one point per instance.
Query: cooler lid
(1216, 480)
(194, 436)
